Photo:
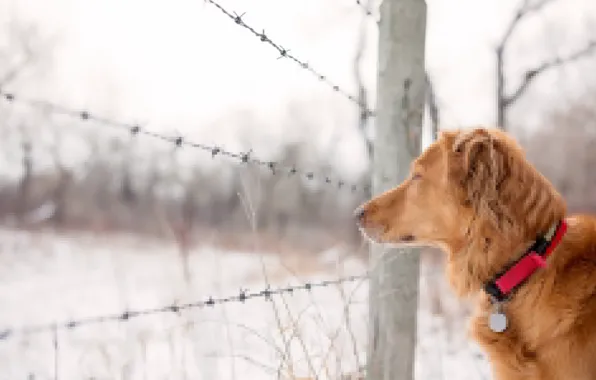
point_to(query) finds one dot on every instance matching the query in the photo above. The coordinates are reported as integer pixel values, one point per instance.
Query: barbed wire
(365, 9)
(285, 53)
(125, 316)
(276, 168)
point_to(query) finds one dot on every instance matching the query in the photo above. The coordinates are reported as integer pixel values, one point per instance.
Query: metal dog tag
(497, 321)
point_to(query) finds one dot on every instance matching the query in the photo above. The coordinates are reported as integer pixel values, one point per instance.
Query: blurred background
(94, 220)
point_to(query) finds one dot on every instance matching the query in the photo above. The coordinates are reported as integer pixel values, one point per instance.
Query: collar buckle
(495, 294)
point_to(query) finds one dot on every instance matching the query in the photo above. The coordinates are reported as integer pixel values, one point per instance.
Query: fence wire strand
(365, 8)
(241, 297)
(276, 168)
(285, 53)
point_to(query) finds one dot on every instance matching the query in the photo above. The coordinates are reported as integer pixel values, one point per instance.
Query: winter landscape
(305, 335)
(124, 131)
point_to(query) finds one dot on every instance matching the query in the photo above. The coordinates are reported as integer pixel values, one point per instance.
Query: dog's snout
(359, 214)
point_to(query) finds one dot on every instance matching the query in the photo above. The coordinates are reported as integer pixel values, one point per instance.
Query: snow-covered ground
(44, 278)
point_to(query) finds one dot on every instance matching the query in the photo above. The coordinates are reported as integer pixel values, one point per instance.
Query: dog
(529, 268)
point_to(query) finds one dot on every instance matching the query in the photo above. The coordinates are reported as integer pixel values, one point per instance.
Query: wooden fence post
(395, 272)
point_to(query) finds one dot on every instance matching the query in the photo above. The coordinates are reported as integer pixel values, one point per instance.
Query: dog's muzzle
(359, 215)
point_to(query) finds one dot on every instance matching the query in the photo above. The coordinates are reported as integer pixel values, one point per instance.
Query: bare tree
(24, 49)
(180, 219)
(364, 114)
(363, 96)
(433, 108)
(26, 178)
(64, 178)
(506, 99)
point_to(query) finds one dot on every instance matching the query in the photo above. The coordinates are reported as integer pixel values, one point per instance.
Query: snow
(45, 277)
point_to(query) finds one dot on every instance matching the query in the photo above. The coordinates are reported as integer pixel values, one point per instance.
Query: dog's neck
(503, 285)
(477, 257)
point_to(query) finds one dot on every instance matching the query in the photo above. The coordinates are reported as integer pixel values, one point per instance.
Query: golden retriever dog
(529, 268)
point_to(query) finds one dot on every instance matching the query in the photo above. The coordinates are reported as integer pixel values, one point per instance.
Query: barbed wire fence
(286, 53)
(242, 297)
(276, 168)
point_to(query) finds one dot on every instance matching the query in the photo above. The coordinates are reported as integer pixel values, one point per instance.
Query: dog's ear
(480, 168)
(448, 137)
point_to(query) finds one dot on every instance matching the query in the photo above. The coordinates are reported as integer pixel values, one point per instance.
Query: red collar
(502, 286)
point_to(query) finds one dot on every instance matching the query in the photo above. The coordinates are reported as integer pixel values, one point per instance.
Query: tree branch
(24, 38)
(433, 108)
(14, 72)
(532, 74)
(524, 10)
(363, 100)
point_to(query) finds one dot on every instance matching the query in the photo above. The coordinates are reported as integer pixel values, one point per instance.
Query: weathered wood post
(395, 272)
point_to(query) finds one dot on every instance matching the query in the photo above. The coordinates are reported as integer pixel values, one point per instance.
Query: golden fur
(473, 194)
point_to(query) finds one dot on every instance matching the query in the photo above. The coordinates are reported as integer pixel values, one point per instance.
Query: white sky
(183, 66)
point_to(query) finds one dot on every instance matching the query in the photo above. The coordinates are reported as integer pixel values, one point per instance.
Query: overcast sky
(182, 66)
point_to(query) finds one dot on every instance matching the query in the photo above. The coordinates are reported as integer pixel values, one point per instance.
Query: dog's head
(471, 190)
(454, 178)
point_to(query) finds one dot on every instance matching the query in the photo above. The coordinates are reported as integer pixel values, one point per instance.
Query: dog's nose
(359, 214)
